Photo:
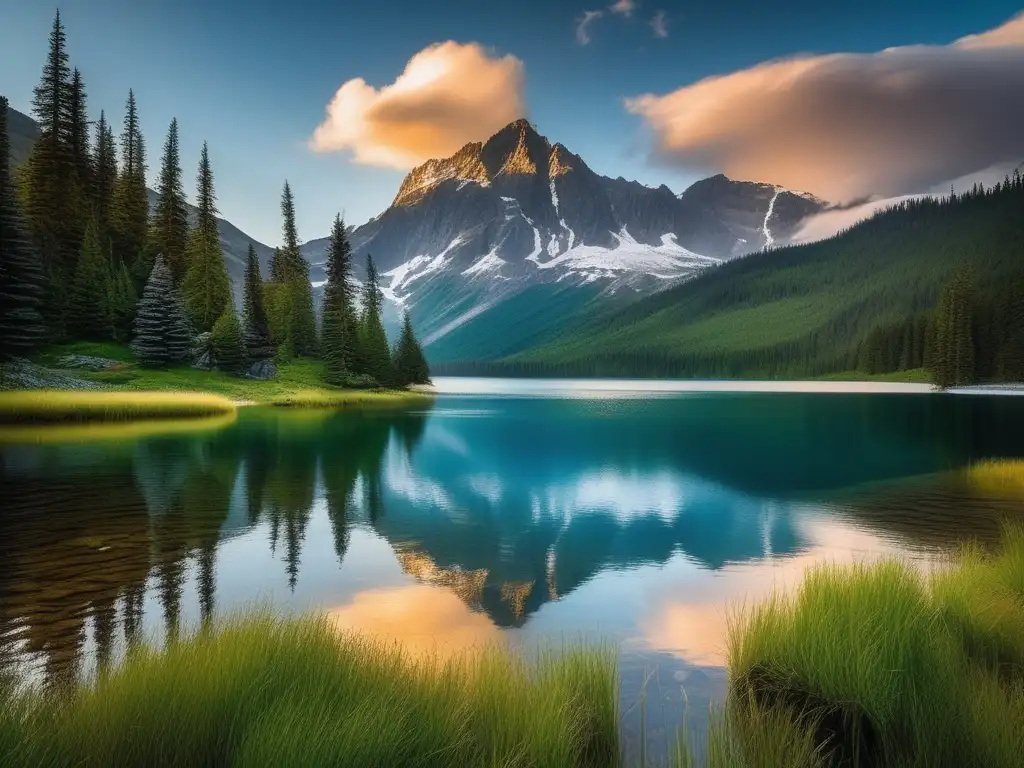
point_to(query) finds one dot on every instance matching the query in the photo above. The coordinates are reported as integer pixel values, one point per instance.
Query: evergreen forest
(84, 257)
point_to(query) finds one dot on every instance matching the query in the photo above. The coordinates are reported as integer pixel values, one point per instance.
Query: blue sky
(254, 81)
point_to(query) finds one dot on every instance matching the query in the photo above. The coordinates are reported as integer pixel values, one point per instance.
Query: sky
(343, 98)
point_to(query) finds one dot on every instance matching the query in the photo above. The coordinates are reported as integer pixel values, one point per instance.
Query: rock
(88, 362)
(23, 374)
(262, 370)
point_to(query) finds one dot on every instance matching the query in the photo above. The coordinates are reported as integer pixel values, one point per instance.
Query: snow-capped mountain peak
(517, 216)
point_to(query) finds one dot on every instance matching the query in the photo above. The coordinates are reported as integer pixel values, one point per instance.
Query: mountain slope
(804, 310)
(509, 219)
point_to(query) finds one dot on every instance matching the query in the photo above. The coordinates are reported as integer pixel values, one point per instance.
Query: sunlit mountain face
(483, 519)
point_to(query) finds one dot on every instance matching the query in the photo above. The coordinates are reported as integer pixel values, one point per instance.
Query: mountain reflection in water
(483, 518)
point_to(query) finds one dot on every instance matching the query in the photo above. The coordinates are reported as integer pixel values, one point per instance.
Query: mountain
(498, 247)
(860, 300)
(509, 243)
(24, 131)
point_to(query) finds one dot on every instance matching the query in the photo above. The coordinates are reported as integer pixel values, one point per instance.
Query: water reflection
(640, 519)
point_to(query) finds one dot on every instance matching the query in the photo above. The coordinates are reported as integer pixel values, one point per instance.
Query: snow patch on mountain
(415, 269)
(552, 248)
(666, 261)
(769, 241)
(561, 222)
(490, 262)
(537, 248)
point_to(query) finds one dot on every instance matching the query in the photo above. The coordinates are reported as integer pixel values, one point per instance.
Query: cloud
(448, 95)
(659, 23)
(583, 25)
(623, 7)
(828, 223)
(848, 126)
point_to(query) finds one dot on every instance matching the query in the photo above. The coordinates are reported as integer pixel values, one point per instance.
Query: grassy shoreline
(263, 691)
(126, 391)
(862, 665)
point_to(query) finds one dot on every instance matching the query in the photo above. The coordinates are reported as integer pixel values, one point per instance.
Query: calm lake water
(529, 512)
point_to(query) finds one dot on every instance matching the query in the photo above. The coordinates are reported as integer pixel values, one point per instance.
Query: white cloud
(448, 95)
(659, 24)
(583, 25)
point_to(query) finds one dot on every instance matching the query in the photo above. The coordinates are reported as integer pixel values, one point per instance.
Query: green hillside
(535, 316)
(861, 300)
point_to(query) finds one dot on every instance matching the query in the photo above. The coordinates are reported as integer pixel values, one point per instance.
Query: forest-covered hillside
(865, 300)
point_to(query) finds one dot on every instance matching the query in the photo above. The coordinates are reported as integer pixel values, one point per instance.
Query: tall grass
(50, 406)
(750, 736)
(264, 691)
(892, 667)
(1001, 476)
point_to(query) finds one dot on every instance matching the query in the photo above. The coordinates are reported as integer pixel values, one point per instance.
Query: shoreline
(612, 387)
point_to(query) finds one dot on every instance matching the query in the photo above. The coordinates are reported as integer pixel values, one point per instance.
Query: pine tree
(88, 302)
(294, 271)
(122, 301)
(77, 127)
(206, 286)
(952, 361)
(21, 274)
(226, 339)
(339, 326)
(277, 267)
(373, 341)
(104, 181)
(408, 362)
(168, 232)
(49, 201)
(130, 210)
(256, 333)
(162, 333)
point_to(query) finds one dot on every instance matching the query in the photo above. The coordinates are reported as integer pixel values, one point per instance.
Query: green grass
(57, 406)
(262, 691)
(1000, 476)
(298, 380)
(895, 667)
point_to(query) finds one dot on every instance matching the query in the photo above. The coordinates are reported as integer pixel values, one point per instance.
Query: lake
(639, 513)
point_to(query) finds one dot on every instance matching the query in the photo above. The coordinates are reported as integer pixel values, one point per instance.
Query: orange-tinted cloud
(623, 7)
(847, 126)
(449, 94)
